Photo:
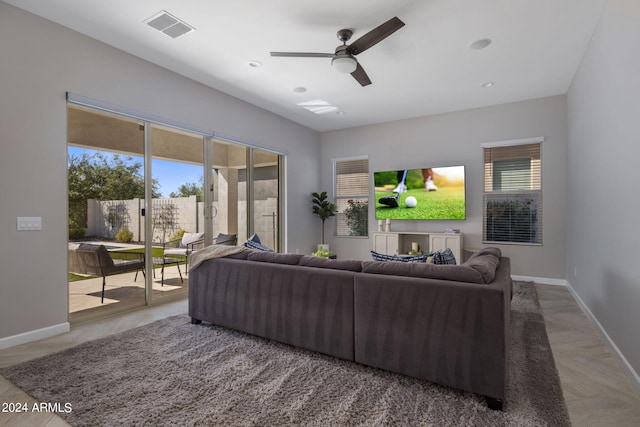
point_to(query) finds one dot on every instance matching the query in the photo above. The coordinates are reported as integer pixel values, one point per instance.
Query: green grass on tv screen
(445, 203)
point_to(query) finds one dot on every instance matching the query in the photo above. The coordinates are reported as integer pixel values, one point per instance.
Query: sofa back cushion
(489, 250)
(334, 264)
(459, 273)
(274, 257)
(485, 262)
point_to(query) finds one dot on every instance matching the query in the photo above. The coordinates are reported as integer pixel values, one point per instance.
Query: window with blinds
(351, 189)
(512, 198)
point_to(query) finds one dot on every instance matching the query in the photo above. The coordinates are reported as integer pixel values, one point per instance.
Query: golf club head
(391, 201)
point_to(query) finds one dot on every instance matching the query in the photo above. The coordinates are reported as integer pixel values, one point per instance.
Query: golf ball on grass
(411, 202)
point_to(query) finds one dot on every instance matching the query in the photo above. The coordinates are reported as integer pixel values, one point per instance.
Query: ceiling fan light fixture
(344, 64)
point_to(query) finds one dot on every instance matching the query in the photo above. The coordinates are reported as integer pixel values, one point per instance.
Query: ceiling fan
(343, 60)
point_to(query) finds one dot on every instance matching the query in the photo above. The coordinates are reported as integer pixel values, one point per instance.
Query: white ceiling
(424, 68)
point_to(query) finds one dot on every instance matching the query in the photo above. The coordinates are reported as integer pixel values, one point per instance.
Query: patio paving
(122, 291)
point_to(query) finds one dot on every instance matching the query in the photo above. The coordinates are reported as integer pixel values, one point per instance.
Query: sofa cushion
(489, 250)
(335, 264)
(383, 257)
(240, 255)
(444, 257)
(274, 257)
(485, 264)
(485, 261)
(460, 273)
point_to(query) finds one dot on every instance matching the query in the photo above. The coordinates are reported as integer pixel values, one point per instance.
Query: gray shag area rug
(174, 373)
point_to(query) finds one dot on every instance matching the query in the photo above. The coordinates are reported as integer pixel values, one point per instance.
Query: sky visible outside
(170, 174)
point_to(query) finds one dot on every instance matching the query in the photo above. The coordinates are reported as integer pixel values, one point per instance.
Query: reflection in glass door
(245, 193)
(227, 190)
(266, 200)
(176, 222)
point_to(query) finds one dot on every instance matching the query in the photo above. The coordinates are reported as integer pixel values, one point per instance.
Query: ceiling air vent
(169, 24)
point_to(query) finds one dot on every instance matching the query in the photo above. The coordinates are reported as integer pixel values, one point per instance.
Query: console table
(399, 243)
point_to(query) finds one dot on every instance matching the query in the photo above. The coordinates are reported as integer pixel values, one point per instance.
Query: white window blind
(351, 189)
(512, 199)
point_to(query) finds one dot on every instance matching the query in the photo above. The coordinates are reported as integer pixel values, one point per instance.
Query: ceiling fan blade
(361, 76)
(303, 54)
(375, 36)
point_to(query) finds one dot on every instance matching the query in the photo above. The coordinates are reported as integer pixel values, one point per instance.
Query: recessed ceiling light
(340, 113)
(487, 84)
(255, 64)
(318, 106)
(480, 44)
(300, 89)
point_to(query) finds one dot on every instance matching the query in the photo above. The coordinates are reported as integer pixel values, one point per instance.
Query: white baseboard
(631, 373)
(541, 280)
(633, 376)
(36, 335)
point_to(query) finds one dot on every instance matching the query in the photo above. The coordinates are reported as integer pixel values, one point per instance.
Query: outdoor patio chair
(190, 242)
(96, 261)
(226, 239)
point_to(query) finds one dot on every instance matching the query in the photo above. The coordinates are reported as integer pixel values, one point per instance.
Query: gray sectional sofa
(448, 324)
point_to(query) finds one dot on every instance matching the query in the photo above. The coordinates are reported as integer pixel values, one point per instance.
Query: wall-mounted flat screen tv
(429, 193)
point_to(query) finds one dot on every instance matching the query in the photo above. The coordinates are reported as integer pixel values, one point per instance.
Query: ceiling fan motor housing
(344, 35)
(343, 60)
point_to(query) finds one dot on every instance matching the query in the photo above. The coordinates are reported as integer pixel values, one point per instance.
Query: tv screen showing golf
(429, 193)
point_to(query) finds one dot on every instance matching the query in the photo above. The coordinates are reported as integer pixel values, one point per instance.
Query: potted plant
(322, 253)
(324, 210)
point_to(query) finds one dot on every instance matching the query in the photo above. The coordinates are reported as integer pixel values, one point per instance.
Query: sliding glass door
(227, 212)
(266, 197)
(176, 210)
(106, 182)
(245, 193)
(152, 193)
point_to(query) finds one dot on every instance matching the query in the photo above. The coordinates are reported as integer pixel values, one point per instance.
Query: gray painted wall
(454, 139)
(604, 195)
(40, 61)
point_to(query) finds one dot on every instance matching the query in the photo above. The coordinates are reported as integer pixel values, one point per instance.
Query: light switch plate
(26, 223)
